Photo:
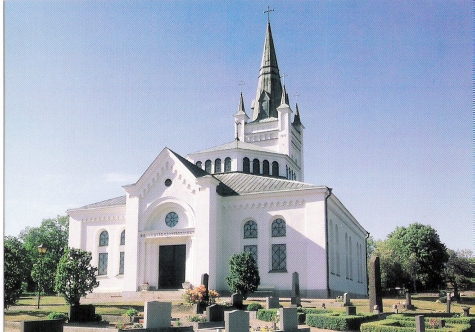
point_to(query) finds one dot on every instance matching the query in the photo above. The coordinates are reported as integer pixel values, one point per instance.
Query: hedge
(449, 318)
(266, 315)
(391, 325)
(315, 311)
(339, 322)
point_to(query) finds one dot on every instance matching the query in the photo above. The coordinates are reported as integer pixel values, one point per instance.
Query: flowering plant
(197, 295)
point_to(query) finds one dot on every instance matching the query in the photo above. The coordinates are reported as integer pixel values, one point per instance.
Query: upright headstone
(346, 299)
(295, 296)
(449, 302)
(288, 319)
(375, 291)
(236, 321)
(409, 305)
(236, 300)
(420, 324)
(272, 302)
(466, 311)
(350, 310)
(204, 282)
(157, 314)
(215, 313)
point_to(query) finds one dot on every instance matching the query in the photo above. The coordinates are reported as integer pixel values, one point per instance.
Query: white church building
(186, 216)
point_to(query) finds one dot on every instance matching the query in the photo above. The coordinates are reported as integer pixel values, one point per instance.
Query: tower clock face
(171, 219)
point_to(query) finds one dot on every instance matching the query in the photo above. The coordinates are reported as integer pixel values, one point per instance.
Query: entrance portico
(165, 258)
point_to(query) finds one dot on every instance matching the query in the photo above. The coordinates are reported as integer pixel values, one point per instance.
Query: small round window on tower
(168, 182)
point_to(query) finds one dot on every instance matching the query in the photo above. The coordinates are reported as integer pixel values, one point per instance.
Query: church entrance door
(171, 266)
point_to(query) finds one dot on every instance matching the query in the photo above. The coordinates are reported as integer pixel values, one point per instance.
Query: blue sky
(94, 90)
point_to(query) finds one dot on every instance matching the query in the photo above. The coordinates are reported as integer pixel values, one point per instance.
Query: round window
(171, 219)
(168, 182)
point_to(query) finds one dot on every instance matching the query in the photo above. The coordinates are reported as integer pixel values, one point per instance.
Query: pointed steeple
(297, 122)
(241, 109)
(285, 97)
(269, 87)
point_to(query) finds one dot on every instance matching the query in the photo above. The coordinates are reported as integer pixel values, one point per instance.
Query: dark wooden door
(171, 266)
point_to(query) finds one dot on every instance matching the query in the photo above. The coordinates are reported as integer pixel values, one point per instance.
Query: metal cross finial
(296, 95)
(283, 76)
(268, 13)
(241, 84)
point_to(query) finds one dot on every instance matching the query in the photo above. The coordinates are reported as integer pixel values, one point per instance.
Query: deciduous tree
(15, 270)
(75, 276)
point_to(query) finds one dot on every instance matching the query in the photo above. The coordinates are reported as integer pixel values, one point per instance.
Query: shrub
(58, 315)
(131, 312)
(196, 295)
(315, 311)
(334, 321)
(267, 315)
(391, 325)
(254, 306)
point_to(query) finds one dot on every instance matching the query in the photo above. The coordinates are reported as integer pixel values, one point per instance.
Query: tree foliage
(459, 270)
(15, 270)
(53, 233)
(412, 256)
(75, 276)
(243, 275)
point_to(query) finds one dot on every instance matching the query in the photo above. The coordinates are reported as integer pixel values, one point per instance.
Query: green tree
(420, 253)
(459, 270)
(243, 275)
(15, 270)
(53, 233)
(75, 276)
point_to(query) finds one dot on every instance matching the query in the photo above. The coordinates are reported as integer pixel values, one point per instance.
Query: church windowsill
(278, 271)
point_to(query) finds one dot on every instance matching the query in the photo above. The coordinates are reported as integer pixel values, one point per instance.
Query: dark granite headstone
(350, 310)
(215, 313)
(295, 297)
(375, 291)
(82, 313)
(204, 282)
(420, 324)
(51, 325)
(236, 300)
(409, 305)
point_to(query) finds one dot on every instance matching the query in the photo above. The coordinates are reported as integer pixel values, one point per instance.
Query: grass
(26, 306)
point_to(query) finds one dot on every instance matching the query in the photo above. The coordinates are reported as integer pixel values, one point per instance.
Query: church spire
(297, 122)
(269, 87)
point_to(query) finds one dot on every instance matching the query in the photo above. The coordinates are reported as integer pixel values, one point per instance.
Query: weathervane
(268, 13)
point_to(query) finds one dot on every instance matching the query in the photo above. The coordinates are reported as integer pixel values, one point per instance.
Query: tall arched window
(278, 228)
(256, 166)
(208, 166)
(227, 164)
(122, 238)
(246, 166)
(265, 167)
(104, 239)
(199, 164)
(275, 168)
(250, 229)
(217, 166)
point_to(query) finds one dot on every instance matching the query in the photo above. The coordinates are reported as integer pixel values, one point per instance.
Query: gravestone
(376, 310)
(50, 325)
(295, 296)
(449, 302)
(466, 311)
(420, 324)
(350, 310)
(236, 321)
(204, 282)
(395, 309)
(82, 313)
(272, 302)
(157, 314)
(409, 305)
(215, 313)
(288, 319)
(375, 290)
(236, 300)
(346, 299)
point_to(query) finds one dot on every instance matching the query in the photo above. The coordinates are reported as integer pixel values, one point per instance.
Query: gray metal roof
(108, 202)
(242, 183)
(235, 145)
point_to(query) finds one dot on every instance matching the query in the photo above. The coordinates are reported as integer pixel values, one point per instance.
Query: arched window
(250, 229)
(275, 168)
(217, 166)
(122, 238)
(246, 166)
(278, 228)
(256, 166)
(265, 167)
(208, 166)
(199, 164)
(227, 164)
(104, 239)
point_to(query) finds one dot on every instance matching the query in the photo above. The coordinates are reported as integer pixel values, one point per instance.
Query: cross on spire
(283, 76)
(241, 84)
(296, 95)
(268, 13)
